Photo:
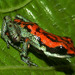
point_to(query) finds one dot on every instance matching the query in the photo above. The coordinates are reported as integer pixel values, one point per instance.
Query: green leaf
(11, 5)
(55, 16)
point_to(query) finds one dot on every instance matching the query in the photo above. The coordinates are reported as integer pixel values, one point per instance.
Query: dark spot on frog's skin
(29, 30)
(71, 41)
(50, 37)
(35, 33)
(71, 48)
(29, 24)
(54, 37)
(39, 40)
(57, 50)
(38, 29)
(64, 40)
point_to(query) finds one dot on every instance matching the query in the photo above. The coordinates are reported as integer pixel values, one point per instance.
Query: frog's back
(48, 39)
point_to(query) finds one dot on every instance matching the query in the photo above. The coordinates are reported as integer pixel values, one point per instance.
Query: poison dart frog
(28, 33)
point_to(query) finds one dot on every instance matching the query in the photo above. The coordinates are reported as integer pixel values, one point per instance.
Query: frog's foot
(7, 41)
(27, 61)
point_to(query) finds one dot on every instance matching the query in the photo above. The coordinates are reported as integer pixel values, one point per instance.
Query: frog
(28, 33)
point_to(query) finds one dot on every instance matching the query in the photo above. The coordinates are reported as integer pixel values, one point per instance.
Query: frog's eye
(61, 50)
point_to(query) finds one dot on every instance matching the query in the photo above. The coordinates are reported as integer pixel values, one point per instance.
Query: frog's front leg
(23, 54)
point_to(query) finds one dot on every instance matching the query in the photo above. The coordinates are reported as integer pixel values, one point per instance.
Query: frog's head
(63, 48)
(68, 45)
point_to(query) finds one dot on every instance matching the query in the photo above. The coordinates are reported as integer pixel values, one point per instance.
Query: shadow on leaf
(62, 65)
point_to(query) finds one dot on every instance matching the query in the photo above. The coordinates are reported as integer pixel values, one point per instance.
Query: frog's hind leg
(4, 30)
(21, 18)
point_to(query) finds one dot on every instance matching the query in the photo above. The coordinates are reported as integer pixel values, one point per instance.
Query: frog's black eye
(60, 50)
